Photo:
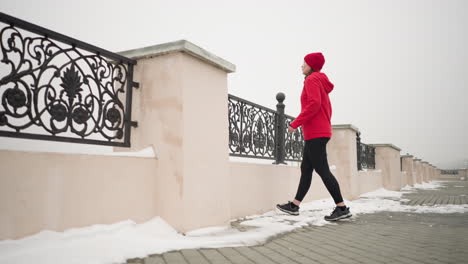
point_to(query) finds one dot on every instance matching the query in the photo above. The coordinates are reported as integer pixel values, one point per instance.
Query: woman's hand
(290, 129)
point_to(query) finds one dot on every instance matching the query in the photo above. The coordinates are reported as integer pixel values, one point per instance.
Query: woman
(316, 126)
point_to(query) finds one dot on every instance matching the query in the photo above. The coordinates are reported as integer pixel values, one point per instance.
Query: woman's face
(306, 68)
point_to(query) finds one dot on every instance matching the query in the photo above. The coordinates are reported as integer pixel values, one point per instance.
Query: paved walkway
(385, 237)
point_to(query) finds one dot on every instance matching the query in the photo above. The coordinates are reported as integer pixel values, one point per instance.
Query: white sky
(400, 68)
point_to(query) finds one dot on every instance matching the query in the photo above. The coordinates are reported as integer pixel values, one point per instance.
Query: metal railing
(365, 154)
(53, 87)
(259, 132)
(256, 131)
(449, 172)
(294, 142)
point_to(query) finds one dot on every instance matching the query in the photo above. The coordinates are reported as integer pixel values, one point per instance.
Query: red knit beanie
(315, 61)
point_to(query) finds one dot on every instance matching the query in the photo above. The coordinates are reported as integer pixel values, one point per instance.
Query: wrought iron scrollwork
(254, 130)
(365, 154)
(294, 142)
(251, 129)
(58, 88)
(450, 172)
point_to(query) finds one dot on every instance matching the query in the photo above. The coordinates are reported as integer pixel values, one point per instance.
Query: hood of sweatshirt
(323, 78)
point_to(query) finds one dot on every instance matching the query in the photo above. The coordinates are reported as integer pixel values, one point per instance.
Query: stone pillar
(433, 174)
(431, 171)
(425, 170)
(420, 169)
(182, 111)
(407, 164)
(342, 150)
(387, 159)
(463, 173)
(429, 168)
(417, 174)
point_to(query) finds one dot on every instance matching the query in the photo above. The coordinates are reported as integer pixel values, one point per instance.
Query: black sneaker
(338, 214)
(289, 208)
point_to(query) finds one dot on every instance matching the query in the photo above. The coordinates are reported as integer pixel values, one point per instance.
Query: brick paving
(384, 237)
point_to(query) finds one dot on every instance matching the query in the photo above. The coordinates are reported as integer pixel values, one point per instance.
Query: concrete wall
(54, 191)
(369, 180)
(463, 174)
(407, 164)
(433, 173)
(60, 191)
(418, 170)
(404, 178)
(425, 169)
(387, 159)
(257, 188)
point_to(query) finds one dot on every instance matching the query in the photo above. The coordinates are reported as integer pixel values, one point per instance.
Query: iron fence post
(358, 147)
(280, 130)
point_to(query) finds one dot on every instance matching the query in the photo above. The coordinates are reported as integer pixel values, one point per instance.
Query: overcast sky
(400, 68)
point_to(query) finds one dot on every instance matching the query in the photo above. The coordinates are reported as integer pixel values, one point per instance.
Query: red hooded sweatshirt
(316, 110)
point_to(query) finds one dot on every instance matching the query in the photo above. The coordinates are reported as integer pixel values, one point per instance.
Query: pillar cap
(346, 126)
(386, 145)
(181, 46)
(407, 156)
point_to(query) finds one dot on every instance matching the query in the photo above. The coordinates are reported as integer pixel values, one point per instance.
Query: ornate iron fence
(251, 129)
(449, 172)
(294, 142)
(53, 87)
(365, 154)
(259, 132)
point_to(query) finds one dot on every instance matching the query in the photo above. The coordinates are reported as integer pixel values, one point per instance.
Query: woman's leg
(307, 169)
(319, 158)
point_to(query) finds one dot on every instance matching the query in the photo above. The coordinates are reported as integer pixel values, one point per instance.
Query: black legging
(315, 158)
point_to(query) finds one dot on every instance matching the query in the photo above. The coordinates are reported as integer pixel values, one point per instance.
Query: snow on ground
(147, 152)
(115, 243)
(382, 193)
(425, 185)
